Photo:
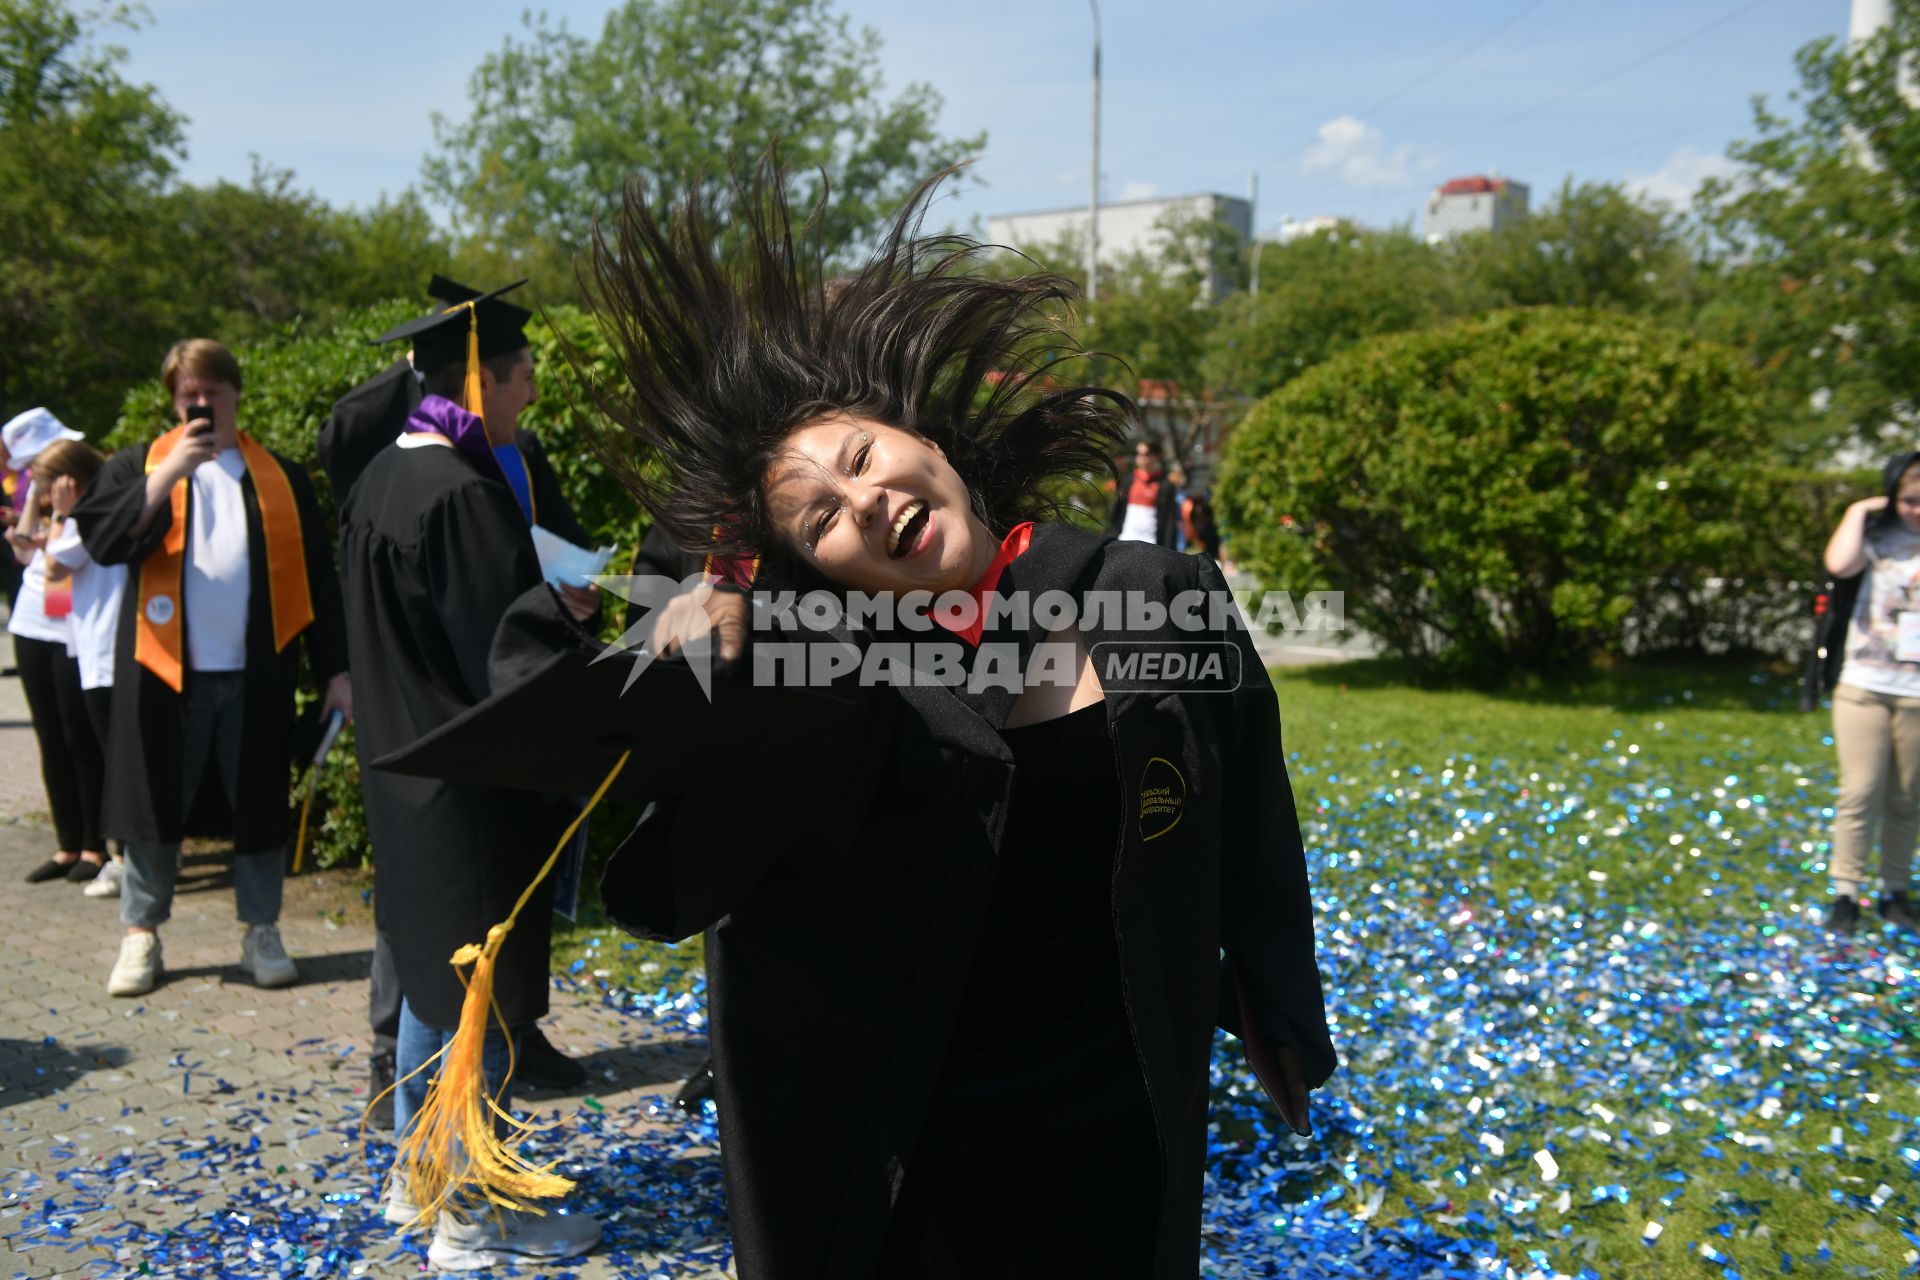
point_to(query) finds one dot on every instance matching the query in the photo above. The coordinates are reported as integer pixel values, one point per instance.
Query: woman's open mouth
(904, 537)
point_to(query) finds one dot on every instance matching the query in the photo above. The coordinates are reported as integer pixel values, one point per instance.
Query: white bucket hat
(30, 432)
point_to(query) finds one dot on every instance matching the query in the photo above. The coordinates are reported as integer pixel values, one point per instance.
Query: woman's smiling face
(876, 508)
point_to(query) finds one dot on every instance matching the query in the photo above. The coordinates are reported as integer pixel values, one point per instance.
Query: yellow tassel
(475, 403)
(306, 810)
(453, 1159)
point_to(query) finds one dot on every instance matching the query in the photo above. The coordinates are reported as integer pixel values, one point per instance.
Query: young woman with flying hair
(963, 992)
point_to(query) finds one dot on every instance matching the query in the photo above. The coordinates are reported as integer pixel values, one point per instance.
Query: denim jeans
(216, 707)
(416, 1044)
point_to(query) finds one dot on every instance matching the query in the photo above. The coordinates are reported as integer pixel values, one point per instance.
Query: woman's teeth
(900, 523)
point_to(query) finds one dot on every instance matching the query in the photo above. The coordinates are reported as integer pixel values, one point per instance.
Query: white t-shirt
(215, 581)
(1141, 523)
(1891, 588)
(97, 589)
(29, 617)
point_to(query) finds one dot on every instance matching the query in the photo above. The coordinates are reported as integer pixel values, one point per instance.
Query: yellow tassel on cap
(474, 402)
(454, 1159)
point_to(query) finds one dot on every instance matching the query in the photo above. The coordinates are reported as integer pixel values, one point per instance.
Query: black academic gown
(142, 801)
(432, 552)
(847, 898)
(366, 419)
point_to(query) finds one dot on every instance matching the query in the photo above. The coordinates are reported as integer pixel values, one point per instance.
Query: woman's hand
(339, 697)
(64, 495)
(696, 613)
(1846, 552)
(581, 602)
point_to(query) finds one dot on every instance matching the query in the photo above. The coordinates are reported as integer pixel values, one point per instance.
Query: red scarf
(1012, 547)
(1145, 490)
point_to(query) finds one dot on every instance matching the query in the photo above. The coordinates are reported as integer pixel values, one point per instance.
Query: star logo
(662, 601)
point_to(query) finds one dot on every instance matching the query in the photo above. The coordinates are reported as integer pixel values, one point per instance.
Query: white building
(1126, 226)
(1481, 203)
(1292, 229)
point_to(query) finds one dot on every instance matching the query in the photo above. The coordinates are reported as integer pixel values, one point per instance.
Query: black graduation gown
(432, 552)
(843, 924)
(366, 419)
(142, 801)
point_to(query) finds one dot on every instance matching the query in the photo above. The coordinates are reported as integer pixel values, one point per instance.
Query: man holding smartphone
(230, 564)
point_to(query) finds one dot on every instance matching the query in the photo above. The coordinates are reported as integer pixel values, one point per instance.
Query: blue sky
(1341, 107)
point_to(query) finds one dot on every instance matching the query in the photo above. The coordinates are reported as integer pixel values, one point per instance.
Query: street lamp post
(1093, 194)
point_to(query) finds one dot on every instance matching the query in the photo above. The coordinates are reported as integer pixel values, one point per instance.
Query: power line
(1425, 76)
(1605, 76)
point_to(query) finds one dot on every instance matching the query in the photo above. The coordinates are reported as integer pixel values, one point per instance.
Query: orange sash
(159, 642)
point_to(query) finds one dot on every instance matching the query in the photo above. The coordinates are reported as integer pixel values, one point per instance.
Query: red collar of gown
(1011, 548)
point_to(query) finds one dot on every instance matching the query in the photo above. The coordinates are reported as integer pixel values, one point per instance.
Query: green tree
(1319, 294)
(1592, 245)
(1521, 490)
(84, 158)
(670, 91)
(1820, 224)
(264, 253)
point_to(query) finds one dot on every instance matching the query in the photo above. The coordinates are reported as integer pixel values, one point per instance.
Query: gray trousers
(216, 707)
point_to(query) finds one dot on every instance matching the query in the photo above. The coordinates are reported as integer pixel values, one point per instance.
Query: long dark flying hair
(730, 335)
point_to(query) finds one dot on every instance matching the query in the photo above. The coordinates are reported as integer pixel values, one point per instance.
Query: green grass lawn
(1584, 921)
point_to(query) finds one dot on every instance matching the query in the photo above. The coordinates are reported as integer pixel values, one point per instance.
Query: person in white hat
(71, 761)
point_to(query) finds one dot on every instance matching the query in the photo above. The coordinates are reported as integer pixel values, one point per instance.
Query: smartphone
(200, 421)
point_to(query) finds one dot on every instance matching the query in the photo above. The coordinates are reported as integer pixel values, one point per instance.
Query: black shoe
(380, 1091)
(82, 871)
(1844, 917)
(51, 869)
(541, 1066)
(697, 1089)
(1897, 909)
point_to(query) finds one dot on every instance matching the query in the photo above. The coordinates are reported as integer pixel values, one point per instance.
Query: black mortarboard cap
(450, 292)
(560, 729)
(441, 339)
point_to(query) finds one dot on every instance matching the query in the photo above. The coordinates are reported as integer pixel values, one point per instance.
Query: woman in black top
(964, 976)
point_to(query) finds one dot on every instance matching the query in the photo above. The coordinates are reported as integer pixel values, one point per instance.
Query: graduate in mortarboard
(435, 544)
(364, 422)
(968, 942)
(229, 564)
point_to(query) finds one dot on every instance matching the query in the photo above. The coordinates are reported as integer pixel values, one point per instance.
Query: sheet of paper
(563, 562)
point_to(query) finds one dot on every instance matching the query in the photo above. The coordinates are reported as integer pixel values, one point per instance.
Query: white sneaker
(399, 1210)
(265, 959)
(107, 883)
(138, 969)
(493, 1240)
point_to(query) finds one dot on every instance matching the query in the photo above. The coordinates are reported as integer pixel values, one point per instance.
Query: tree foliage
(1319, 294)
(84, 157)
(1515, 491)
(1592, 245)
(109, 260)
(1821, 221)
(672, 92)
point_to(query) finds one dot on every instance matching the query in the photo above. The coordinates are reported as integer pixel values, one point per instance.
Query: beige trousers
(1878, 738)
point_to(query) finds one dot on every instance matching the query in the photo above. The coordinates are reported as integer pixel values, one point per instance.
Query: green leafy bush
(291, 384)
(1526, 490)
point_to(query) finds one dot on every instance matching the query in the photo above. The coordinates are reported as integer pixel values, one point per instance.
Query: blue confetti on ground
(1517, 1068)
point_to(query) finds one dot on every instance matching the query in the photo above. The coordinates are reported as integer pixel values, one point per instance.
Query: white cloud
(1357, 154)
(1135, 189)
(1675, 181)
